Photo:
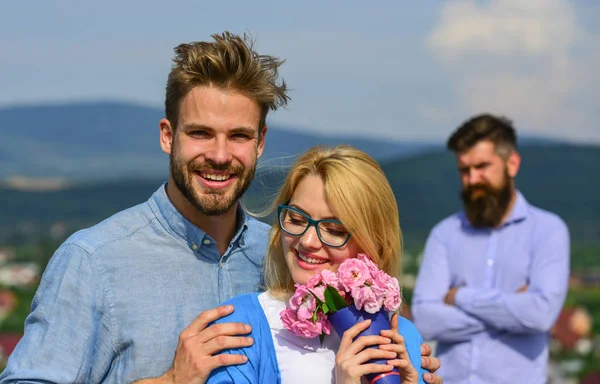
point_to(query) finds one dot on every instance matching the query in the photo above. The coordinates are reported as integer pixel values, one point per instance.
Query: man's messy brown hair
(230, 63)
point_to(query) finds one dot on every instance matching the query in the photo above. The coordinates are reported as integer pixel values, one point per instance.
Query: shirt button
(194, 246)
(206, 241)
(490, 262)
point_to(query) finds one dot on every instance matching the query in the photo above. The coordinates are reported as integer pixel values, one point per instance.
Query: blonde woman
(341, 204)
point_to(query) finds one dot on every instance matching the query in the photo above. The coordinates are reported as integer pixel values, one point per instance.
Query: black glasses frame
(311, 222)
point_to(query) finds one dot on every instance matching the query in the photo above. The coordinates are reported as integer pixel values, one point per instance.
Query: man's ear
(166, 135)
(513, 163)
(261, 141)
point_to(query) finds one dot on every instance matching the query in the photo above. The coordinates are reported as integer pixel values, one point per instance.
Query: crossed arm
(454, 314)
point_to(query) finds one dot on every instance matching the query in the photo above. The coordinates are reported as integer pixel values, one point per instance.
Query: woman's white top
(301, 361)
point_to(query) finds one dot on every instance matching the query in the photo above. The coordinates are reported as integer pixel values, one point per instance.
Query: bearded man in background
(494, 277)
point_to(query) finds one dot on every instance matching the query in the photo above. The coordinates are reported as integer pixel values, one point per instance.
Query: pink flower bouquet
(359, 290)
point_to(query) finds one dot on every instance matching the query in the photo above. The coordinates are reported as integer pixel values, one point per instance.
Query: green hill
(109, 140)
(560, 178)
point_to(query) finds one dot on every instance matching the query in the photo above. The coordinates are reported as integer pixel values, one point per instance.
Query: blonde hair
(359, 195)
(231, 63)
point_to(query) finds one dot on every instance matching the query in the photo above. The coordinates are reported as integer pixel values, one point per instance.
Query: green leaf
(334, 301)
(325, 308)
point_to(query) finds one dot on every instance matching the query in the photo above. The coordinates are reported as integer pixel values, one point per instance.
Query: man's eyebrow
(190, 126)
(477, 165)
(245, 130)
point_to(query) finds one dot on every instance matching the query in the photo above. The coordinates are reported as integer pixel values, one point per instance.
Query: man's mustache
(472, 189)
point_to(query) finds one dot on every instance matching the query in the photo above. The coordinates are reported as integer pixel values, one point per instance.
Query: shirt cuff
(464, 298)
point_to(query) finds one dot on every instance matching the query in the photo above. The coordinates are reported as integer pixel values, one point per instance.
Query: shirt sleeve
(413, 341)
(261, 366)
(67, 336)
(433, 318)
(536, 309)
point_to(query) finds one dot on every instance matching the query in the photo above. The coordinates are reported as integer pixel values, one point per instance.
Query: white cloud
(529, 60)
(505, 27)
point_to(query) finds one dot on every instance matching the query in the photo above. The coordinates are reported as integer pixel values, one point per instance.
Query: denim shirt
(115, 297)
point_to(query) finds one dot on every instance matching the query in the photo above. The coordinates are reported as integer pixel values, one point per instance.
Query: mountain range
(559, 178)
(109, 140)
(113, 161)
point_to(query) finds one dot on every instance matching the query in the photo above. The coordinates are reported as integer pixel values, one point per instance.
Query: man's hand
(432, 364)
(194, 357)
(451, 295)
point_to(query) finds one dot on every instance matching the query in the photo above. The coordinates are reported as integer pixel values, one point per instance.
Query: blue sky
(397, 71)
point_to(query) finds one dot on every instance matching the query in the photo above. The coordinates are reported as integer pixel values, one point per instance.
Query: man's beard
(213, 202)
(489, 206)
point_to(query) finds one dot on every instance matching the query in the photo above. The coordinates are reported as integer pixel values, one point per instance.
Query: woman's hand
(431, 364)
(408, 373)
(352, 356)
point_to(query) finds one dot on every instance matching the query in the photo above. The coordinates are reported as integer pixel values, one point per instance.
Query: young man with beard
(114, 297)
(494, 277)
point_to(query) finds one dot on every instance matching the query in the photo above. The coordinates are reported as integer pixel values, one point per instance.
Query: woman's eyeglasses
(295, 222)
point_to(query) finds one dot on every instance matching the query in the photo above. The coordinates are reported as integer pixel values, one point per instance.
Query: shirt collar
(241, 225)
(519, 212)
(177, 225)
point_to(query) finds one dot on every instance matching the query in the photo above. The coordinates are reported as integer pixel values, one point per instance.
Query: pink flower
(373, 268)
(316, 286)
(288, 317)
(314, 281)
(391, 290)
(353, 273)
(305, 328)
(392, 302)
(319, 291)
(331, 279)
(358, 280)
(365, 298)
(303, 302)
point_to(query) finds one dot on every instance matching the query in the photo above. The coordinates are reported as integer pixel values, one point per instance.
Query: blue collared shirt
(493, 334)
(115, 297)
